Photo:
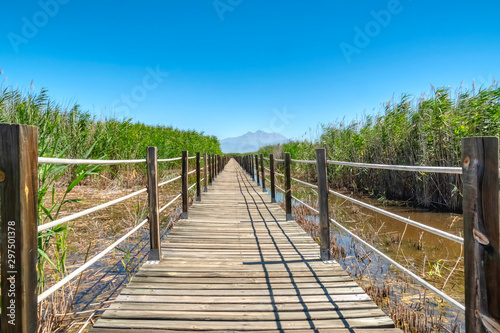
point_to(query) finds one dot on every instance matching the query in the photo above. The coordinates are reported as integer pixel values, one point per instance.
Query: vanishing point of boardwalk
(236, 264)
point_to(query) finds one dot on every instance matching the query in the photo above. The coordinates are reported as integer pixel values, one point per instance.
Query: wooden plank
(314, 330)
(250, 307)
(237, 264)
(19, 191)
(247, 299)
(305, 314)
(196, 325)
(160, 283)
(338, 290)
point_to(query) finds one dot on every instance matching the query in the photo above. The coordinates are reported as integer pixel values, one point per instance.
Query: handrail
(449, 170)
(303, 161)
(75, 161)
(391, 215)
(65, 219)
(279, 174)
(53, 160)
(89, 263)
(304, 183)
(19, 153)
(479, 170)
(169, 159)
(402, 219)
(191, 172)
(171, 202)
(169, 181)
(267, 169)
(393, 262)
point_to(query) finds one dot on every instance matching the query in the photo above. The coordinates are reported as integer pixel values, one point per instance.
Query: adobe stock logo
(30, 27)
(372, 29)
(150, 81)
(280, 121)
(223, 6)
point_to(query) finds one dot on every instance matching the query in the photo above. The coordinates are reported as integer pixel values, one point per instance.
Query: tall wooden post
(209, 170)
(198, 177)
(19, 199)
(214, 166)
(252, 167)
(271, 175)
(288, 188)
(185, 194)
(153, 216)
(481, 234)
(324, 219)
(257, 168)
(263, 172)
(205, 172)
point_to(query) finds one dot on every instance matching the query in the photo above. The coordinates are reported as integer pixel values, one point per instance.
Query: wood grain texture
(19, 195)
(324, 218)
(288, 188)
(237, 265)
(153, 215)
(185, 185)
(481, 233)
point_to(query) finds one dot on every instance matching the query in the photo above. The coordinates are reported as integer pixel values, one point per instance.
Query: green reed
(410, 131)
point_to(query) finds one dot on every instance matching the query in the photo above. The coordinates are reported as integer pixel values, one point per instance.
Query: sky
(226, 67)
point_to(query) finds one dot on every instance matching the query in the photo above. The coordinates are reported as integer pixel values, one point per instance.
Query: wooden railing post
(198, 177)
(209, 170)
(324, 219)
(205, 172)
(481, 234)
(252, 167)
(214, 172)
(19, 199)
(153, 216)
(185, 194)
(263, 173)
(271, 175)
(215, 166)
(257, 168)
(288, 188)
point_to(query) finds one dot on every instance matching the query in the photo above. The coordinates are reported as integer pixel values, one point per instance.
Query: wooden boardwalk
(237, 265)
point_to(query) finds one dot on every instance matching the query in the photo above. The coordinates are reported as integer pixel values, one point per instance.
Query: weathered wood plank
(237, 264)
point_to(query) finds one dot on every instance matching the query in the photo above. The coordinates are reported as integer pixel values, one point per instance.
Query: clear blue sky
(235, 65)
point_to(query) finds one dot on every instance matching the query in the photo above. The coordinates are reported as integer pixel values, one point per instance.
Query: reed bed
(68, 131)
(410, 131)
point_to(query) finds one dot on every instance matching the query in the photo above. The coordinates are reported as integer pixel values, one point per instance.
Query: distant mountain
(251, 142)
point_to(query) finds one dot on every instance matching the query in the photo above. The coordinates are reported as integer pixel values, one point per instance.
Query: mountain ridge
(250, 142)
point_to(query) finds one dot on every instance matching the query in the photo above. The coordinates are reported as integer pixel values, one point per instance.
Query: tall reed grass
(411, 131)
(71, 131)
